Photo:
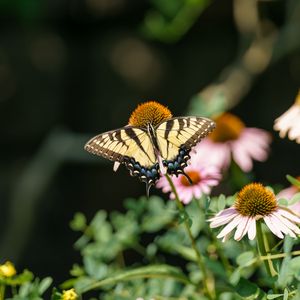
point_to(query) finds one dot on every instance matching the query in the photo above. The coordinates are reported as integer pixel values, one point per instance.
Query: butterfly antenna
(188, 177)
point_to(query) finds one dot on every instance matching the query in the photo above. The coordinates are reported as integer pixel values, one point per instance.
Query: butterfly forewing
(176, 137)
(124, 142)
(181, 132)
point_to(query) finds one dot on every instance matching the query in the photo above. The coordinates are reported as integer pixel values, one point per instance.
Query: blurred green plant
(168, 21)
(23, 286)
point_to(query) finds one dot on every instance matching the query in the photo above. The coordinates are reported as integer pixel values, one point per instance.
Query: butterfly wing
(131, 146)
(175, 138)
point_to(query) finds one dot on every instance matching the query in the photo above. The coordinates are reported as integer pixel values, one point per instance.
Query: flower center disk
(255, 200)
(195, 177)
(150, 112)
(228, 127)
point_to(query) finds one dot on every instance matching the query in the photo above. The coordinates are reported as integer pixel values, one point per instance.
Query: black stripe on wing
(177, 136)
(113, 144)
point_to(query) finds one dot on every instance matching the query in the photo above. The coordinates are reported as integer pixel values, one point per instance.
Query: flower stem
(261, 243)
(2, 291)
(200, 260)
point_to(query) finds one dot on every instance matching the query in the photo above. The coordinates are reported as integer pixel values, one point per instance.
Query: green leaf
(79, 222)
(138, 206)
(221, 202)
(283, 202)
(235, 276)
(158, 214)
(24, 277)
(285, 294)
(245, 258)
(248, 290)
(151, 250)
(77, 270)
(285, 275)
(154, 271)
(294, 267)
(186, 252)
(230, 200)
(82, 242)
(274, 296)
(294, 199)
(293, 180)
(56, 295)
(288, 244)
(95, 268)
(69, 283)
(207, 203)
(44, 285)
(101, 228)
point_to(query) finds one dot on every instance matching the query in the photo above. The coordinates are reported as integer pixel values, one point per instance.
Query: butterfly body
(148, 151)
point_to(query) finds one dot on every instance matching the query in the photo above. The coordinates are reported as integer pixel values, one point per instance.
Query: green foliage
(168, 20)
(30, 290)
(156, 231)
(293, 180)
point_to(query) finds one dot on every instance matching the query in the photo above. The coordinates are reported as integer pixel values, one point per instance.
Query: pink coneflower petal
(280, 225)
(272, 227)
(287, 223)
(231, 139)
(230, 226)
(242, 228)
(288, 215)
(213, 154)
(252, 144)
(203, 176)
(254, 202)
(294, 131)
(288, 123)
(216, 222)
(252, 229)
(241, 157)
(225, 213)
(287, 193)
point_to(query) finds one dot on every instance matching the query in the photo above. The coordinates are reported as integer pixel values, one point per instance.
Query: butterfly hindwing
(175, 138)
(131, 146)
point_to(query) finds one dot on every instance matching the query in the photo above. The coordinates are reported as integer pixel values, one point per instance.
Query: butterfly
(152, 150)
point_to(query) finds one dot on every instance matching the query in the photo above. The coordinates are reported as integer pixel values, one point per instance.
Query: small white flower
(255, 202)
(289, 122)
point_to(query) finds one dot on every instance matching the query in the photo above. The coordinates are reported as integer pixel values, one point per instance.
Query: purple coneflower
(288, 194)
(232, 139)
(255, 202)
(203, 177)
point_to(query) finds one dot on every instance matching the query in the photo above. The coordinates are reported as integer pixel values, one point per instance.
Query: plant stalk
(261, 244)
(2, 291)
(200, 260)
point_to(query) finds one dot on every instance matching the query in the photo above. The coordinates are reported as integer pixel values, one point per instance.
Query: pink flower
(255, 202)
(231, 139)
(203, 176)
(289, 122)
(288, 194)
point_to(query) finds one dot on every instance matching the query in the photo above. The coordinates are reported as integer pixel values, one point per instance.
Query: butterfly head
(149, 113)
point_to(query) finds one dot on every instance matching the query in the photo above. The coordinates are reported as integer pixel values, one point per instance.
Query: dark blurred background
(70, 69)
